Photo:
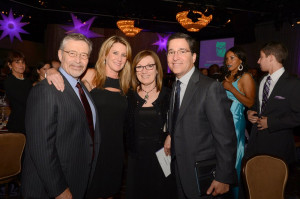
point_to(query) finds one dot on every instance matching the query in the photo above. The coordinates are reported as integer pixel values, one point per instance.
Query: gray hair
(76, 37)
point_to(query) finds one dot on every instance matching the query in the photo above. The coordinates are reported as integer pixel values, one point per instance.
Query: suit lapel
(278, 85)
(189, 92)
(276, 89)
(170, 115)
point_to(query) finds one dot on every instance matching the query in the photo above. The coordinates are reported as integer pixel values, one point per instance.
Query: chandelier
(194, 20)
(127, 27)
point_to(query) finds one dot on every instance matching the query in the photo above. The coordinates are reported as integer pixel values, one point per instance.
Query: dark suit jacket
(59, 147)
(283, 112)
(204, 131)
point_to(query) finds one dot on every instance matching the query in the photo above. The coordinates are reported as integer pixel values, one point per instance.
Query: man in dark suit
(275, 116)
(204, 129)
(62, 141)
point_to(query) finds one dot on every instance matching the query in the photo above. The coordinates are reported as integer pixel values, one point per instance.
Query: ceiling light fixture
(193, 20)
(127, 27)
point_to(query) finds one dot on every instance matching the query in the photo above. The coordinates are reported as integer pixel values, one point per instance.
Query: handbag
(205, 173)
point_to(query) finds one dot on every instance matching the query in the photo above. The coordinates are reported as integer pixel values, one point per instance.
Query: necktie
(265, 94)
(88, 112)
(176, 104)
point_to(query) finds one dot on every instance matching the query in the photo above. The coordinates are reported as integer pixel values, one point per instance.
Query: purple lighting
(161, 43)
(83, 28)
(12, 26)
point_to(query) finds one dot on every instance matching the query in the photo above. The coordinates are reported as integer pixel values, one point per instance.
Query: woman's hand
(227, 84)
(55, 78)
(167, 145)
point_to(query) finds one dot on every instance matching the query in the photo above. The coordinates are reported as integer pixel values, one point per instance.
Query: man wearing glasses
(62, 130)
(200, 124)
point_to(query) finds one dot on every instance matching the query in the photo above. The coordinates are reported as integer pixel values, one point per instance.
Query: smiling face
(147, 77)
(17, 67)
(116, 59)
(180, 63)
(232, 61)
(74, 66)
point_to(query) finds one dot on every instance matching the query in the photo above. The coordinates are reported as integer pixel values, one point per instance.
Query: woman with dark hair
(240, 88)
(148, 104)
(17, 88)
(40, 71)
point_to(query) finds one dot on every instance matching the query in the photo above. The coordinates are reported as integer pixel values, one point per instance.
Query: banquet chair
(265, 177)
(11, 150)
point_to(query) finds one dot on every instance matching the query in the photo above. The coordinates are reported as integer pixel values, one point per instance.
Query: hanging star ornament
(161, 42)
(12, 26)
(83, 28)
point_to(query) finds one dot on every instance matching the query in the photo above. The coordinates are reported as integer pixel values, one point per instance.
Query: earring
(241, 67)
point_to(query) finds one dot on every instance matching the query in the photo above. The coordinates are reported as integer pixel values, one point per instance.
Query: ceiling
(156, 15)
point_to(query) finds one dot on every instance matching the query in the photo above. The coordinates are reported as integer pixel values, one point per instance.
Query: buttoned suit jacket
(204, 130)
(283, 112)
(59, 148)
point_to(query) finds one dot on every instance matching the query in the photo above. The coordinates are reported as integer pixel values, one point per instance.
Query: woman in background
(17, 88)
(40, 71)
(108, 84)
(148, 104)
(240, 88)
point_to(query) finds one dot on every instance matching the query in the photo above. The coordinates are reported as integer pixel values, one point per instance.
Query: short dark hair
(14, 55)
(190, 40)
(277, 49)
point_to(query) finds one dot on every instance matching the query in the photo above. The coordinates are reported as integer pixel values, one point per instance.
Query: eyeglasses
(179, 52)
(72, 53)
(148, 67)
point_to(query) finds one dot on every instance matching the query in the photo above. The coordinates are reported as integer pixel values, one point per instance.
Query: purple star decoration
(161, 43)
(12, 26)
(83, 28)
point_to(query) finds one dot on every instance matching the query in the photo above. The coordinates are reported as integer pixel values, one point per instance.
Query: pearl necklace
(147, 93)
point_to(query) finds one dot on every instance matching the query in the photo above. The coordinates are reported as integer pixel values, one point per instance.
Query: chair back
(265, 177)
(11, 150)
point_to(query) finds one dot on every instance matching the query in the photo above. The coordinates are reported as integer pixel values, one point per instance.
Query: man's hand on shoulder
(217, 188)
(65, 195)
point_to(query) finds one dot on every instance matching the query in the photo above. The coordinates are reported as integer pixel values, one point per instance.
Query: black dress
(145, 178)
(111, 108)
(17, 91)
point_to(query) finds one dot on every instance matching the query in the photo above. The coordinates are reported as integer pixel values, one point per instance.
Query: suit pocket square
(279, 97)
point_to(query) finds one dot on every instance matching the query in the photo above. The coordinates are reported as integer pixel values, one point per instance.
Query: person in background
(200, 123)
(62, 130)
(240, 89)
(55, 64)
(214, 72)
(204, 71)
(108, 84)
(148, 104)
(17, 88)
(40, 71)
(277, 112)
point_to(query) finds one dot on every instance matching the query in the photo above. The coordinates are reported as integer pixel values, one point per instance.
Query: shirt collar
(276, 75)
(70, 79)
(185, 78)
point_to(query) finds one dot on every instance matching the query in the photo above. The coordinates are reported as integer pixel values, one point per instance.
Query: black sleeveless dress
(111, 108)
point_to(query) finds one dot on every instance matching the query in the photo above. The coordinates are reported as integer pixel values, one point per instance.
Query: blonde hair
(141, 55)
(100, 67)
